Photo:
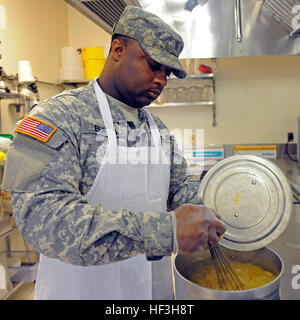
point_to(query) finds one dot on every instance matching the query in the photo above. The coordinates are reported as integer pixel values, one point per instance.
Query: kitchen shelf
(182, 104)
(64, 83)
(189, 81)
(5, 294)
(7, 226)
(188, 104)
(17, 267)
(194, 76)
(7, 232)
(10, 95)
(75, 81)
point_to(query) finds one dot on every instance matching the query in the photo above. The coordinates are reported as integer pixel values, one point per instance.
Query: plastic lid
(7, 135)
(253, 198)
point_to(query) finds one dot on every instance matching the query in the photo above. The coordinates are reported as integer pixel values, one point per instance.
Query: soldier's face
(140, 79)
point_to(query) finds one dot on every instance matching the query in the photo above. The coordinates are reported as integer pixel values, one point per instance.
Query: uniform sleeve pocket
(26, 159)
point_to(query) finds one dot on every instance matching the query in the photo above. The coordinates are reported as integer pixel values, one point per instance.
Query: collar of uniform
(120, 111)
(138, 114)
(115, 112)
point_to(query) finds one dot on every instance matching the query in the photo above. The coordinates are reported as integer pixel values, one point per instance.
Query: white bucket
(72, 65)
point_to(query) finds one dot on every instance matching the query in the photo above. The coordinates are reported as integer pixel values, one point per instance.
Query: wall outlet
(290, 136)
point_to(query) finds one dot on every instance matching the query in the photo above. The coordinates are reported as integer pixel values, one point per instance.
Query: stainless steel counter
(288, 244)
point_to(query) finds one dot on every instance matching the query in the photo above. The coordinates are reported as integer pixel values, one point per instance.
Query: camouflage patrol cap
(155, 37)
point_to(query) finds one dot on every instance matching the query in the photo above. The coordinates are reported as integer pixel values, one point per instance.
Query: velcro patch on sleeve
(36, 128)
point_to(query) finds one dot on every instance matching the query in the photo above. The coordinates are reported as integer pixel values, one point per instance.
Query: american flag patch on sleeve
(36, 128)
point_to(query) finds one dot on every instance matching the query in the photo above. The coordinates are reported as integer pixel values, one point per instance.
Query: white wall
(85, 33)
(257, 102)
(35, 31)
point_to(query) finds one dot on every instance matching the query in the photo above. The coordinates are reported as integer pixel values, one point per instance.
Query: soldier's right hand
(198, 227)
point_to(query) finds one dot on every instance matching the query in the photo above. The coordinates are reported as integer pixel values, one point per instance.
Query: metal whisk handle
(227, 278)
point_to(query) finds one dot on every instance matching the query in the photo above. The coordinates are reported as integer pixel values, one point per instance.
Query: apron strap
(106, 114)
(108, 121)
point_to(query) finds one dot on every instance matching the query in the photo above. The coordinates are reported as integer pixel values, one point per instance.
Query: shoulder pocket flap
(57, 139)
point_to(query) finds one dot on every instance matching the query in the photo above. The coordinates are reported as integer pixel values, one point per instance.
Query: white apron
(133, 186)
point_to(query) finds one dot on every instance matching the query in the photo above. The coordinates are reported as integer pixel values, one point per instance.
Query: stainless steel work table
(288, 244)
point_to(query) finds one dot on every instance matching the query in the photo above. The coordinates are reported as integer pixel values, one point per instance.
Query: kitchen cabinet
(194, 90)
(65, 84)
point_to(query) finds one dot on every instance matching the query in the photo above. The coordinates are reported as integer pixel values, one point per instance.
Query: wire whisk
(227, 278)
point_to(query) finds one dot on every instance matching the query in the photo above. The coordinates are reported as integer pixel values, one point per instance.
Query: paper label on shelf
(265, 151)
(256, 147)
(208, 154)
(271, 154)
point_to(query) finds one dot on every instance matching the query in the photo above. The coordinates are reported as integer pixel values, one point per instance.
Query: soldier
(89, 198)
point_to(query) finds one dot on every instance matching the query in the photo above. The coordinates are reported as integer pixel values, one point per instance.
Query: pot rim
(269, 284)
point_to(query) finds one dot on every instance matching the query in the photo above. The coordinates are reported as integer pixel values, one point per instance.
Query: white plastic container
(71, 65)
(4, 143)
(25, 72)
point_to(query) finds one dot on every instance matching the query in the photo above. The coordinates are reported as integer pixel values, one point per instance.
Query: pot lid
(253, 198)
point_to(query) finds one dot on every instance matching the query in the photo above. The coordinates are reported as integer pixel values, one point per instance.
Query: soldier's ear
(117, 49)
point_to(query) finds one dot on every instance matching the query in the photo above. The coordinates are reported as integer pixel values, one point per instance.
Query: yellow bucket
(93, 61)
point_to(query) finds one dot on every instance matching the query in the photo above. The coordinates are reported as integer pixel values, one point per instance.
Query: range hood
(104, 13)
(215, 28)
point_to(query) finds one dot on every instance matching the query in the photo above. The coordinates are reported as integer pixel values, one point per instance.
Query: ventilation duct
(285, 13)
(214, 28)
(104, 13)
(218, 28)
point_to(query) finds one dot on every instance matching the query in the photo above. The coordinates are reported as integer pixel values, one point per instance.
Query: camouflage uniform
(48, 182)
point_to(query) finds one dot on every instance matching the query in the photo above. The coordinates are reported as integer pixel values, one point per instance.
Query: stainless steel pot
(186, 265)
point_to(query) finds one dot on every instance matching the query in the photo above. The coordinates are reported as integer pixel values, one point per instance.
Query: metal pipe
(238, 22)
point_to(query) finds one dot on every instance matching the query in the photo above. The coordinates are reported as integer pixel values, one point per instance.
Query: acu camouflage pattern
(48, 183)
(156, 37)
